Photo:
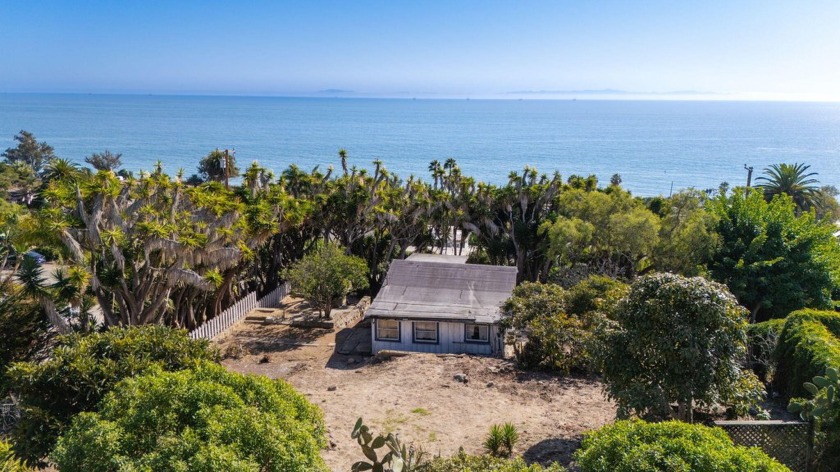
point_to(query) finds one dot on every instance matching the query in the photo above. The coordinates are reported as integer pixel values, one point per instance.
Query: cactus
(824, 410)
(398, 457)
(822, 403)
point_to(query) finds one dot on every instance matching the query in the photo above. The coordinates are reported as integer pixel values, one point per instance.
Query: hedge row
(809, 342)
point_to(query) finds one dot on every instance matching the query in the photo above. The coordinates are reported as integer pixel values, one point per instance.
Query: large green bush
(555, 339)
(83, 369)
(676, 340)
(201, 420)
(671, 446)
(809, 343)
(464, 463)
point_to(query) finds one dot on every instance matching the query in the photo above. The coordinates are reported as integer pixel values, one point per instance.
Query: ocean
(655, 146)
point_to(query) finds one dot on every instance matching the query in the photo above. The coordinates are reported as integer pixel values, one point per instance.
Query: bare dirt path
(417, 396)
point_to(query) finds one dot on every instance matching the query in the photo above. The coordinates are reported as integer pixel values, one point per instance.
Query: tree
(152, 242)
(327, 274)
(791, 179)
(774, 261)
(507, 221)
(30, 152)
(687, 237)
(674, 340)
(212, 167)
(612, 233)
(825, 203)
(105, 160)
(203, 419)
(82, 369)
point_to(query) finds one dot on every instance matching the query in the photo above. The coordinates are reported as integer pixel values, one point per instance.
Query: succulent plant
(398, 458)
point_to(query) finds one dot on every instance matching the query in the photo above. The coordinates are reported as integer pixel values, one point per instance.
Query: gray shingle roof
(443, 291)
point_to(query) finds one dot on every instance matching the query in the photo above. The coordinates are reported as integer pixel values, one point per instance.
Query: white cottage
(440, 304)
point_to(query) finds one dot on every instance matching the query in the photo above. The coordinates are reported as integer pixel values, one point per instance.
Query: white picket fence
(237, 311)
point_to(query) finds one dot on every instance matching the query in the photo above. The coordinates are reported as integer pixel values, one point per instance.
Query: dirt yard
(417, 395)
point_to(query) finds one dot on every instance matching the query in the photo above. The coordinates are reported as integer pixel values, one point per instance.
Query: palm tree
(792, 179)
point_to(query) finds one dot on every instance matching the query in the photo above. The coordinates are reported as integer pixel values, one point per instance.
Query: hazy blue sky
(735, 49)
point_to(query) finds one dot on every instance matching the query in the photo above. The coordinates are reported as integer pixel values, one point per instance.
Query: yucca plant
(501, 440)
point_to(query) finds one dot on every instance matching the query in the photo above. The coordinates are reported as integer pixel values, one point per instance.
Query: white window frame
(379, 328)
(417, 340)
(470, 327)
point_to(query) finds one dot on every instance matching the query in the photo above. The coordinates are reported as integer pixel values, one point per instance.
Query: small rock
(461, 378)
(331, 388)
(490, 384)
(264, 359)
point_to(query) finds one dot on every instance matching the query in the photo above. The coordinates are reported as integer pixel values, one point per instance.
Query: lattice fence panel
(789, 442)
(9, 415)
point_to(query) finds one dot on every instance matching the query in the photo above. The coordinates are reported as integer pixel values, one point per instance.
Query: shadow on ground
(278, 339)
(552, 450)
(352, 348)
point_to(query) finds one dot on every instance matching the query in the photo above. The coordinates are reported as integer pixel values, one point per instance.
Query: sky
(768, 50)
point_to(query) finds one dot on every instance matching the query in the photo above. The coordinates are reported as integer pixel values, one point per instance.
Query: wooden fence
(212, 328)
(789, 442)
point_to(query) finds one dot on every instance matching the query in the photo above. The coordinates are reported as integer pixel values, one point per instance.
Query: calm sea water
(652, 144)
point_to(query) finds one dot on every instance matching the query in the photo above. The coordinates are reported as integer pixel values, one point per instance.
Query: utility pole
(749, 174)
(227, 170)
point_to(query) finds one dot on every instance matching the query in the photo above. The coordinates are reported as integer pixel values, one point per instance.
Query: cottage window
(476, 333)
(425, 332)
(387, 330)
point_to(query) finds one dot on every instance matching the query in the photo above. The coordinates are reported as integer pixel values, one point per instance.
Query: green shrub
(8, 461)
(202, 419)
(556, 340)
(809, 343)
(83, 369)
(671, 446)
(464, 463)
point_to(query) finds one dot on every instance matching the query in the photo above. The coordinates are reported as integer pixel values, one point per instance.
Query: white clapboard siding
(450, 340)
(212, 328)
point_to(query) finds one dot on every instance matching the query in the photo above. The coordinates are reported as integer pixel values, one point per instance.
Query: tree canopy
(674, 339)
(773, 260)
(105, 160)
(30, 152)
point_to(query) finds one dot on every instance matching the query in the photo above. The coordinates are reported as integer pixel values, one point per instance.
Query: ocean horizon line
(532, 96)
